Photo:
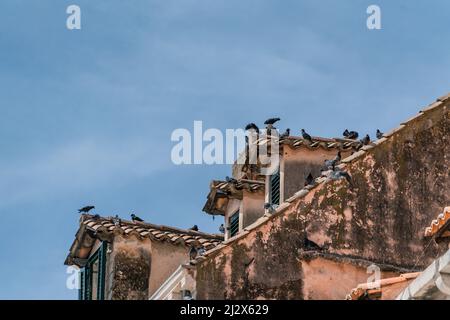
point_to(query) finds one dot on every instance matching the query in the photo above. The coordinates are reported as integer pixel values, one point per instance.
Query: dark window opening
(275, 188)
(234, 224)
(92, 276)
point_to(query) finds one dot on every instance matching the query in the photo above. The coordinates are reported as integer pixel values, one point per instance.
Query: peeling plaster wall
(136, 268)
(166, 258)
(326, 279)
(252, 207)
(398, 188)
(128, 269)
(298, 163)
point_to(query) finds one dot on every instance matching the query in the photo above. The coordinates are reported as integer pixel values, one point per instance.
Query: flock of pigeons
(117, 220)
(351, 135)
(330, 169)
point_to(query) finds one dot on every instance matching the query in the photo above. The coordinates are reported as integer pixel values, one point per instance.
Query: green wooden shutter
(88, 282)
(102, 271)
(86, 275)
(275, 188)
(234, 224)
(81, 290)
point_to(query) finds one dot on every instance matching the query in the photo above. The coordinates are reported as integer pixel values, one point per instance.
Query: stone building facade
(287, 239)
(398, 184)
(125, 260)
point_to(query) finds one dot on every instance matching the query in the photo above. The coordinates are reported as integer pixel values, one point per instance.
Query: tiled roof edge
(363, 288)
(438, 223)
(322, 180)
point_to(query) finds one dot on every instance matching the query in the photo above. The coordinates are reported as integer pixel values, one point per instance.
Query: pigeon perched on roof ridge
(352, 135)
(271, 121)
(306, 136)
(135, 218)
(286, 134)
(230, 180)
(116, 220)
(194, 228)
(339, 174)
(270, 207)
(379, 134)
(86, 209)
(366, 140)
(332, 163)
(309, 179)
(252, 126)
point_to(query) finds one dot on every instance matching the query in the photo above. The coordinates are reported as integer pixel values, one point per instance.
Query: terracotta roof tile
(226, 189)
(438, 224)
(317, 142)
(375, 289)
(296, 141)
(145, 230)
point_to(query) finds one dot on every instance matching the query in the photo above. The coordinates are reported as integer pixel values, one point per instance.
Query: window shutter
(234, 224)
(82, 288)
(275, 188)
(102, 271)
(88, 283)
(88, 276)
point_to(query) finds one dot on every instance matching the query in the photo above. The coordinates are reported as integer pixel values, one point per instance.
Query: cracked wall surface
(397, 188)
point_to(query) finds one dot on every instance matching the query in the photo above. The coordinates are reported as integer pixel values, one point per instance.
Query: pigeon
(286, 133)
(136, 218)
(350, 134)
(86, 209)
(271, 208)
(193, 253)
(366, 140)
(306, 136)
(116, 220)
(222, 228)
(201, 251)
(379, 134)
(96, 217)
(194, 228)
(252, 126)
(271, 121)
(338, 174)
(331, 164)
(310, 245)
(187, 295)
(230, 180)
(309, 180)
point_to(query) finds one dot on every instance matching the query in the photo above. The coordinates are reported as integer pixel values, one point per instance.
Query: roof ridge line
(301, 193)
(156, 226)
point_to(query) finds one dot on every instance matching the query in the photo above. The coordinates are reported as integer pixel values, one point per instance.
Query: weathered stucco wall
(166, 258)
(128, 269)
(398, 188)
(298, 163)
(252, 206)
(332, 278)
(136, 268)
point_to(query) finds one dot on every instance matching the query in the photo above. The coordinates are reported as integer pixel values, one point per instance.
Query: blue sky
(86, 115)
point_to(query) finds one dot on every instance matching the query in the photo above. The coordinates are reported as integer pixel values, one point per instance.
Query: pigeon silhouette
(136, 218)
(86, 209)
